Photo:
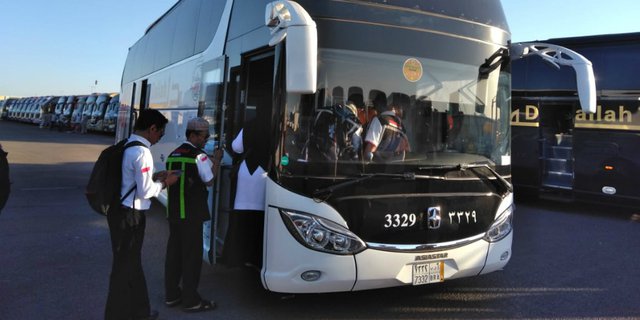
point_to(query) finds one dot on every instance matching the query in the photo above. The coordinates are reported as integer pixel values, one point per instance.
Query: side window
(184, 37)
(208, 21)
(210, 104)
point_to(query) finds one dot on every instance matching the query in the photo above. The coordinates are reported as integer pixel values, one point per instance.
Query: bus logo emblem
(434, 217)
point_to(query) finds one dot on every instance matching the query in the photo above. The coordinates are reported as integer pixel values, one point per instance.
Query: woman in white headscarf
(244, 240)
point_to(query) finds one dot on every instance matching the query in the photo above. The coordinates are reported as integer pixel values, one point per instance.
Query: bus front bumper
(301, 270)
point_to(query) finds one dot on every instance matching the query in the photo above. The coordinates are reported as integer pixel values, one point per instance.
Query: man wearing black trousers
(128, 297)
(187, 209)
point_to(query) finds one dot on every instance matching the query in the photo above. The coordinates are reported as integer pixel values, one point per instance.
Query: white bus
(339, 222)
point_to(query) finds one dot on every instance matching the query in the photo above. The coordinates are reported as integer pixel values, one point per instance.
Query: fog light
(311, 275)
(504, 256)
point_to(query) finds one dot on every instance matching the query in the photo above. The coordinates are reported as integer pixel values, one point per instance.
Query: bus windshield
(433, 113)
(101, 105)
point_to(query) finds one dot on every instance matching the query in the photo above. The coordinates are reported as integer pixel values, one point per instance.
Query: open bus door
(251, 86)
(554, 120)
(211, 107)
(556, 145)
(254, 89)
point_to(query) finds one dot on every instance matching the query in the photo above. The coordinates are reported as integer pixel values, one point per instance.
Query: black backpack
(333, 133)
(394, 141)
(103, 189)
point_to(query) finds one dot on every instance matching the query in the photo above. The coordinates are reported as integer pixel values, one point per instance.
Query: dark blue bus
(560, 152)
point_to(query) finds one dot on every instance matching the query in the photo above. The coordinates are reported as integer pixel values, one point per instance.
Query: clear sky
(61, 47)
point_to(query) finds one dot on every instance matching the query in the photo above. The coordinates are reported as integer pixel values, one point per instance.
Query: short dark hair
(149, 117)
(189, 132)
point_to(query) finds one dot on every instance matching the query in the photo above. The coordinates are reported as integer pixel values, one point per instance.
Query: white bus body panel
(285, 259)
(381, 269)
(496, 259)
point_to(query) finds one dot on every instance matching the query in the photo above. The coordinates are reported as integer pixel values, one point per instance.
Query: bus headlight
(501, 227)
(321, 234)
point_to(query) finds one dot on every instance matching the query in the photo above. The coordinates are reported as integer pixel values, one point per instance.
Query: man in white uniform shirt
(128, 296)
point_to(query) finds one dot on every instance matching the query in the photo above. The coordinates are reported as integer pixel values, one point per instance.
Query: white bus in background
(338, 224)
(56, 118)
(64, 120)
(5, 107)
(111, 114)
(96, 121)
(89, 106)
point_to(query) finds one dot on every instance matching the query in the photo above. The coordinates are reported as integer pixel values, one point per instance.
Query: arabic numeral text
(397, 220)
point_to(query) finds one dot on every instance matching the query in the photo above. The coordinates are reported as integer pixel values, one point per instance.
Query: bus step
(559, 195)
(558, 166)
(552, 186)
(558, 181)
(565, 174)
(559, 152)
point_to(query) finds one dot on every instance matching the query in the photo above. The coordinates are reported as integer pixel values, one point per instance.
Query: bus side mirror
(289, 19)
(558, 55)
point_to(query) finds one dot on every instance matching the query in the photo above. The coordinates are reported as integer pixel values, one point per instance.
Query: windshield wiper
(506, 184)
(324, 193)
(464, 166)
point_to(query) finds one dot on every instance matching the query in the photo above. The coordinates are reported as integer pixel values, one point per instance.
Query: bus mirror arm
(557, 55)
(287, 19)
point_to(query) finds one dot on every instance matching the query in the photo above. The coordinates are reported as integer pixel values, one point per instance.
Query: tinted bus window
(210, 14)
(185, 34)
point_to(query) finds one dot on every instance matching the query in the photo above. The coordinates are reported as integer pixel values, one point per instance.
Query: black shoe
(153, 315)
(173, 303)
(204, 305)
(253, 266)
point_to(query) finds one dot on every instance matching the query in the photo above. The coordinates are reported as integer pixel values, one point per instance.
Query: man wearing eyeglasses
(128, 297)
(187, 209)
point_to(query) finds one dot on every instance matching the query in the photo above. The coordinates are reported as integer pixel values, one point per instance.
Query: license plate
(428, 273)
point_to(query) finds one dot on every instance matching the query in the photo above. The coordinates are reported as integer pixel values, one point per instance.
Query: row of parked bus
(98, 111)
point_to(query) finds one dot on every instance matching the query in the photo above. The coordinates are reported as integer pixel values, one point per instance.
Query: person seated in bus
(364, 113)
(455, 124)
(355, 134)
(336, 133)
(386, 137)
(243, 242)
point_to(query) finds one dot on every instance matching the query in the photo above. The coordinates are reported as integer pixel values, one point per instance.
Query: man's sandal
(204, 305)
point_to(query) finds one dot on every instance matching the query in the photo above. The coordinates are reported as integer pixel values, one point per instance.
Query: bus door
(249, 87)
(210, 107)
(126, 113)
(556, 145)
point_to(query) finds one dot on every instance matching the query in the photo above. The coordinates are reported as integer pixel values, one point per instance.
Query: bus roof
(597, 39)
